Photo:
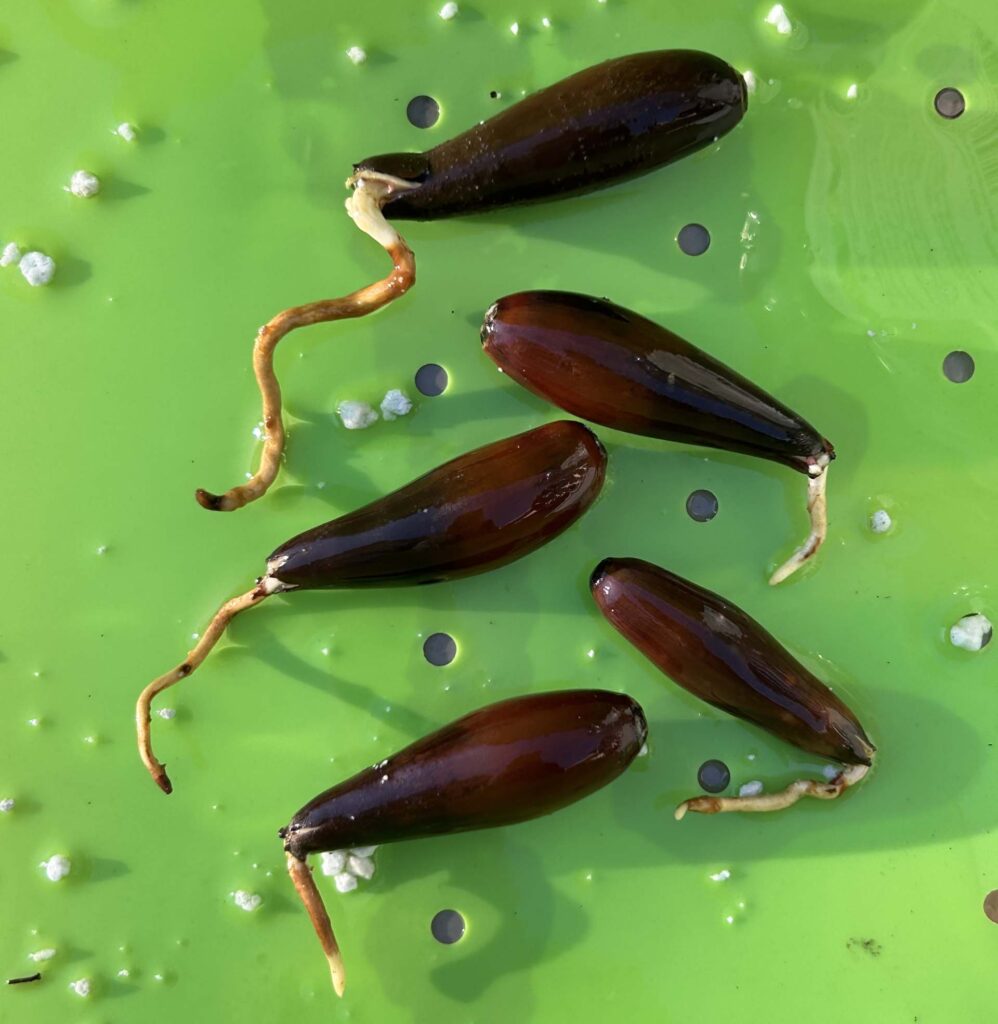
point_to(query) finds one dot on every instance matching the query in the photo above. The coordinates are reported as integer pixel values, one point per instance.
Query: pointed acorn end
(598, 574)
(488, 329)
(860, 746)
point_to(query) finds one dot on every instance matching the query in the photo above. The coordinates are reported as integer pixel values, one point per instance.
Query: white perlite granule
(395, 403)
(247, 901)
(11, 254)
(971, 633)
(721, 876)
(57, 867)
(448, 11)
(880, 521)
(362, 867)
(777, 17)
(6, 806)
(37, 268)
(753, 788)
(357, 55)
(167, 713)
(126, 131)
(41, 954)
(356, 415)
(346, 866)
(84, 184)
(333, 862)
(81, 987)
(345, 882)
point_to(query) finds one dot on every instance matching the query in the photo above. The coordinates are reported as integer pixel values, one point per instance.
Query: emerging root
(301, 875)
(849, 776)
(195, 656)
(817, 508)
(371, 192)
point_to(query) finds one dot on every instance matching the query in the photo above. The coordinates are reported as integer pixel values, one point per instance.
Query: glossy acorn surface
(723, 656)
(243, 214)
(508, 762)
(602, 125)
(607, 364)
(477, 512)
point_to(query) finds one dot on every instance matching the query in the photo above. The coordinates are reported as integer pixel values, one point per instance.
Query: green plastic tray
(853, 247)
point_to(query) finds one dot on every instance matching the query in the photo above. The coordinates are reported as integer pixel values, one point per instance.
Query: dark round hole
(701, 506)
(423, 111)
(950, 103)
(494, 94)
(693, 239)
(959, 367)
(714, 776)
(447, 926)
(440, 648)
(991, 906)
(431, 380)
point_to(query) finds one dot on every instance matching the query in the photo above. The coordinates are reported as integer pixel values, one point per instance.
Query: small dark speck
(870, 946)
(23, 981)
(493, 94)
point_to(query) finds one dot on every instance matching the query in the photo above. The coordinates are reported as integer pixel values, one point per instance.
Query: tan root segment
(301, 875)
(817, 508)
(195, 656)
(849, 776)
(371, 192)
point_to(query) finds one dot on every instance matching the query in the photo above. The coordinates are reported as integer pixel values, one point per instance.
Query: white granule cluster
(880, 521)
(346, 866)
(515, 28)
(395, 403)
(448, 11)
(37, 268)
(721, 876)
(356, 415)
(167, 713)
(84, 184)
(753, 788)
(41, 954)
(6, 806)
(778, 18)
(971, 633)
(57, 867)
(11, 254)
(81, 987)
(247, 901)
(357, 54)
(126, 131)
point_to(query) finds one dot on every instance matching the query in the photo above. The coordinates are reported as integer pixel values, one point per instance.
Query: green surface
(126, 384)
